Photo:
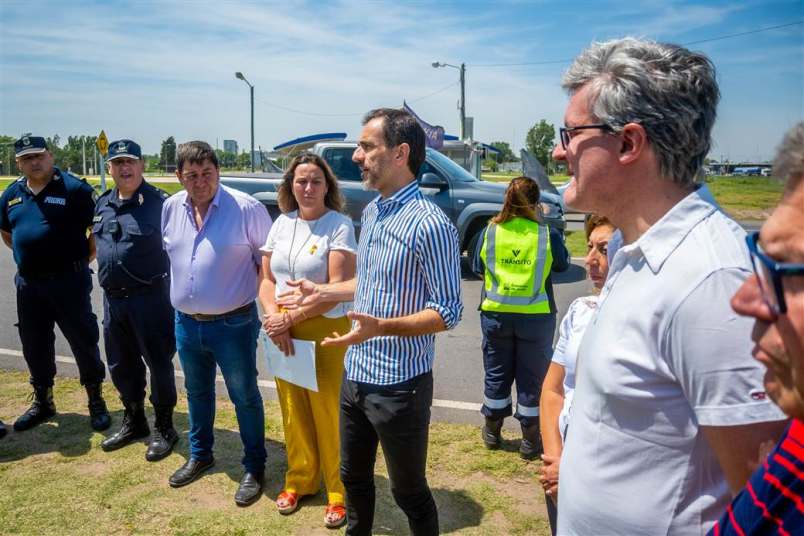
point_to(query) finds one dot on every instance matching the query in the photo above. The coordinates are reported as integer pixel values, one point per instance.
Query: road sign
(103, 143)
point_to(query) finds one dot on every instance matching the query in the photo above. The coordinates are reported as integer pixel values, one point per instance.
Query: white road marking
(447, 404)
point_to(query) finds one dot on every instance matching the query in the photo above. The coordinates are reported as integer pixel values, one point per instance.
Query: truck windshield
(456, 172)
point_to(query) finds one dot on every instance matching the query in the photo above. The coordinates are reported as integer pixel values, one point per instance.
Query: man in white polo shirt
(669, 409)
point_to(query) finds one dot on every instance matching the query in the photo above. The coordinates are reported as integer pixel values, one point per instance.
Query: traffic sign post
(103, 146)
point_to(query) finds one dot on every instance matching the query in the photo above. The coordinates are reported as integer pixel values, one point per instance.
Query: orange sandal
(287, 502)
(335, 516)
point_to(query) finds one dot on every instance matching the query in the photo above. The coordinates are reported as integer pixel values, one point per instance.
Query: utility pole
(462, 104)
(463, 101)
(251, 92)
(84, 153)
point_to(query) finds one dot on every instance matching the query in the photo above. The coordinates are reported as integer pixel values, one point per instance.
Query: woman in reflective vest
(517, 311)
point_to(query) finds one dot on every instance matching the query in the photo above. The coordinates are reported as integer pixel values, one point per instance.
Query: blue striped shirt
(407, 261)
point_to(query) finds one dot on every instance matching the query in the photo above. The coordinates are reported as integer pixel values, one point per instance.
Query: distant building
(230, 146)
(257, 158)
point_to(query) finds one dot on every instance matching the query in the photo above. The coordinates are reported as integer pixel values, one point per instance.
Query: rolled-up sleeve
(440, 260)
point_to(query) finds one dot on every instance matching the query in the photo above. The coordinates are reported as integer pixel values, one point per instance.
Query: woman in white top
(559, 383)
(313, 240)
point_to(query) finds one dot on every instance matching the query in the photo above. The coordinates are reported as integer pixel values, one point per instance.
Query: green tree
(243, 161)
(167, 156)
(540, 141)
(506, 154)
(7, 164)
(226, 159)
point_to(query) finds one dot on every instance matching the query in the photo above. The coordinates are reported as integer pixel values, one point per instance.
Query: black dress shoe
(2, 429)
(250, 489)
(190, 471)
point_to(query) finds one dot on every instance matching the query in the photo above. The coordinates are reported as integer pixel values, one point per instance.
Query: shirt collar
(401, 196)
(115, 195)
(666, 235)
(215, 200)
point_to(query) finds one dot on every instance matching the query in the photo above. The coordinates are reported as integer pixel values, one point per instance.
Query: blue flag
(434, 135)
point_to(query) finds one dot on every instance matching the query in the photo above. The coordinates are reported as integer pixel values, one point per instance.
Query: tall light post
(251, 90)
(462, 69)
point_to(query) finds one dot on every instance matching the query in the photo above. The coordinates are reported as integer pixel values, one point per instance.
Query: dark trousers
(515, 347)
(139, 330)
(63, 300)
(397, 417)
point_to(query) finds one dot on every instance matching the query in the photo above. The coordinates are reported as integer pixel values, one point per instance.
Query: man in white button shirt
(669, 410)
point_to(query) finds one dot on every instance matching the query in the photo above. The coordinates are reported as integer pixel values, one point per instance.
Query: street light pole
(251, 92)
(462, 70)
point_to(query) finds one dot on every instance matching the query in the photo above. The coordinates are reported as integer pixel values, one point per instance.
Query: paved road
(458, 368)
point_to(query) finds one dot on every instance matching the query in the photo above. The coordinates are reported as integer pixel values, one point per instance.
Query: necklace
(291, 258)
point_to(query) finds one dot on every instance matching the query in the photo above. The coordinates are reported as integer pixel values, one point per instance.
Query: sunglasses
(769, 273)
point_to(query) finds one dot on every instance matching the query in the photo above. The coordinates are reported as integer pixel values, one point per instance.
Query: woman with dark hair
(517, 311)
(314, 241)
(559, 384)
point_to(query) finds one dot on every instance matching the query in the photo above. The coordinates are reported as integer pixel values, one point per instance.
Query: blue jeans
(231, 344)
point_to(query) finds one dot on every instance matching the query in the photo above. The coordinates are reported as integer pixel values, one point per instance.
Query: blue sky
(147, 70)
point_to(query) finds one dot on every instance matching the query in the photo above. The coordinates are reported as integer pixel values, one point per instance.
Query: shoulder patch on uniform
(97, 218)
(15, 201)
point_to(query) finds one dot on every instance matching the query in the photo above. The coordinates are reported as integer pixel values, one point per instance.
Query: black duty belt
(201, 317)
(129, 291)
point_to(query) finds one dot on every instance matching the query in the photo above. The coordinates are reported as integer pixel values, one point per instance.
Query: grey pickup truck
(468, 202)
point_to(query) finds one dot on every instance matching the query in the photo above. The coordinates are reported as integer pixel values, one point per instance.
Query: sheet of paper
(298, 369)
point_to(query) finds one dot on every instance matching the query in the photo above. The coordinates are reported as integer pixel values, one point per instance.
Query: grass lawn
(169, 187)
(57, 480)
(744, 198)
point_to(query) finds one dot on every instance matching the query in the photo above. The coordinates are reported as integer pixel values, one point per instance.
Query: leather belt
(201, 317)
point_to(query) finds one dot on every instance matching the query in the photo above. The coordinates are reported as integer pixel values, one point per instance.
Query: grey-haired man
(669, 409)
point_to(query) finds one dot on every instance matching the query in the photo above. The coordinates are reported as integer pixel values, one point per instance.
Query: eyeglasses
(770, 273)
(564, 132)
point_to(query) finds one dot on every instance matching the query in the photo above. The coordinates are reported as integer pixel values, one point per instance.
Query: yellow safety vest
(518, 259)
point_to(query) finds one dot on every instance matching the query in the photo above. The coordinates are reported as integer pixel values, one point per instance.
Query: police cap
(29, 145)
(124, 149)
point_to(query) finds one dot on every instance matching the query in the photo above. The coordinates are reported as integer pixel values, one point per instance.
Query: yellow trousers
(310, 419)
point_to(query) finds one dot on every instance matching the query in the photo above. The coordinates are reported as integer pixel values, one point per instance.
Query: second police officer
(137, 315)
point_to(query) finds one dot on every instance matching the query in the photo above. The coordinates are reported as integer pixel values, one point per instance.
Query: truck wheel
(473, 242)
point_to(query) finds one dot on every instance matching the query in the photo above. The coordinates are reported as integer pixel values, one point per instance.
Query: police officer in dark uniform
(138, 320)
(44, 217)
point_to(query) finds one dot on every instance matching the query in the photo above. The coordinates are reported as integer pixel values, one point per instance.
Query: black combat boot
(2, 430)
(41, 409)
(164, 436)
(98, 414)
(134, 427)
(531, 446)
(491, 433)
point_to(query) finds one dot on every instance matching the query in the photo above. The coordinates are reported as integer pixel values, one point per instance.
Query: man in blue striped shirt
(408, 287)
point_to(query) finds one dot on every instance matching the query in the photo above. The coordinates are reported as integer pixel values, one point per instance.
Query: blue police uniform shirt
(48, 229)
(128, 238)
